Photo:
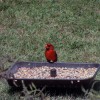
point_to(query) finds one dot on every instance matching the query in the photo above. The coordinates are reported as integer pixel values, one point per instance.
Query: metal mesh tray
(16, 82)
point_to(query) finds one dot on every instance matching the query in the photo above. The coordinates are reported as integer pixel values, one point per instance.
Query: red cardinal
(50, 53)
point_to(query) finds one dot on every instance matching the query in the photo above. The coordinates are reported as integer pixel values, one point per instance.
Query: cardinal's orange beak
(46, 47)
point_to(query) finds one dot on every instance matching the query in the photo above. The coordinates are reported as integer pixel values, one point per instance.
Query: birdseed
(43, 72)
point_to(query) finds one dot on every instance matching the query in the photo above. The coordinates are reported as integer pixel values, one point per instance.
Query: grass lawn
(72, 26)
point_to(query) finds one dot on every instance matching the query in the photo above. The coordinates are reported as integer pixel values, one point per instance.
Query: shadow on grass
(61, 91)
(64, 91)
(13, 90)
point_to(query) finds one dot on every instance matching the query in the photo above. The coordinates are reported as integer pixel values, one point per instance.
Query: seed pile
(62, 72)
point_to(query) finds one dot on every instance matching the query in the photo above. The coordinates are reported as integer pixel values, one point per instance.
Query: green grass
(72, 26)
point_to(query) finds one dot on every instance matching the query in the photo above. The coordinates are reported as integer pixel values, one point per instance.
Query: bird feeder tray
(57, 74)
